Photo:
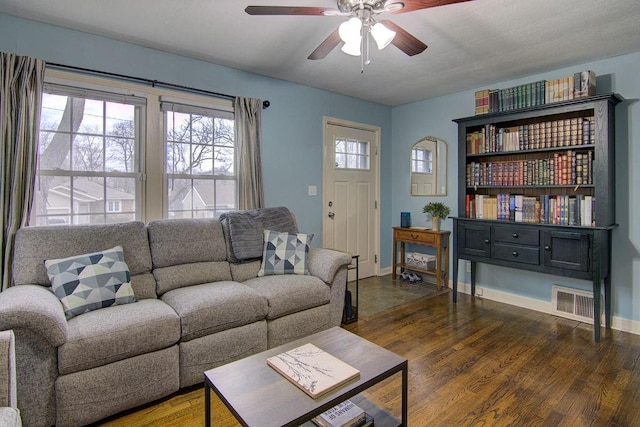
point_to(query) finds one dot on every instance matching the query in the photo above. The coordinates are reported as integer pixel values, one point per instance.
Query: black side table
(350, 312)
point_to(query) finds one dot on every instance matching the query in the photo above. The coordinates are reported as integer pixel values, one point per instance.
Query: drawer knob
(515, 253)
(486, 241)
(415, 236)
(515, 235)
(547, 248)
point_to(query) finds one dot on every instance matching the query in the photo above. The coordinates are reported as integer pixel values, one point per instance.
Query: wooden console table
(425, 237)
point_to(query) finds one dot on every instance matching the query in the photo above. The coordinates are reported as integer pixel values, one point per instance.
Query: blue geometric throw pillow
(285, 253)
(91, 281)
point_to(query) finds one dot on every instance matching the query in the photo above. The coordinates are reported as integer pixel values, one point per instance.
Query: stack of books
(546, 209)
(578, 85)
(345, 414)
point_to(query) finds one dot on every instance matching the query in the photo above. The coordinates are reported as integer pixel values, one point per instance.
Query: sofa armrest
(7, 369)
(325, 263)
(35, 308)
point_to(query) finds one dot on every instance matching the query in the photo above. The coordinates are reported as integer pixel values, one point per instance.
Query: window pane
(224, 161)
(121, 199)
(53, 107)
(202, 159)
(202, 129)
(120, 154)
(224, 132)
(51, 207)
(120, 119)
(179, 200)
(203, 200)
(88, 153)
(92, 118)
(225, 196)
(178, 158)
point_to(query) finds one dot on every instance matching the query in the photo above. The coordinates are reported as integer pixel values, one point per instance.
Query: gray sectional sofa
(195, 310)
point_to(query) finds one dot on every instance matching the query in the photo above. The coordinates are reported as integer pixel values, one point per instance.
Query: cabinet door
(567, 250)
(474, 239)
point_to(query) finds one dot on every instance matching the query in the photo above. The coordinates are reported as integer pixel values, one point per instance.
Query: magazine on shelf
(312, 369)
(345, 414)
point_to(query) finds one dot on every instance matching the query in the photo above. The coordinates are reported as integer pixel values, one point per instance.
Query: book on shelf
(545, 209)
(577, 85)
(312, 369)
(344, 414)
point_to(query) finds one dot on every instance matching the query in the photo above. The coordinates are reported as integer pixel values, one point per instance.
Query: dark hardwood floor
(478, 363)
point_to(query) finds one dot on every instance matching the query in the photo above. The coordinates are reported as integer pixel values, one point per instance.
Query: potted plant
(438, 210)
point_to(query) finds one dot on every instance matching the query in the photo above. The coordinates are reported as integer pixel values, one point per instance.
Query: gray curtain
(248, 131)
(21, 80)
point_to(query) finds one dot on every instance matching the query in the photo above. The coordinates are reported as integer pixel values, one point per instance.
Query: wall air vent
(572, 303)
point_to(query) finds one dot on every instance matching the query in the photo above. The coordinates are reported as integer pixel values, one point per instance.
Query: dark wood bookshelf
(553, 247)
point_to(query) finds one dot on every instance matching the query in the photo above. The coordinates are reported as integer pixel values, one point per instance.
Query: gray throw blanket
(245, 230)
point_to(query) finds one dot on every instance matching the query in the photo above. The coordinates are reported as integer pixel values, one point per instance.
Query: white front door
(350, 191)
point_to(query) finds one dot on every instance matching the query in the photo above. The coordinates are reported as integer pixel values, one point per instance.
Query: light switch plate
(313, 190)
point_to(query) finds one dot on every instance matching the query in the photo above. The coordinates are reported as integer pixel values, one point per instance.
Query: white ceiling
(471, 45)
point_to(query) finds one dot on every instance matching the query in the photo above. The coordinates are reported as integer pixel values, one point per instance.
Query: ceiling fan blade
(403, 40)
(326, 46)
(287, 10)
(413, 5)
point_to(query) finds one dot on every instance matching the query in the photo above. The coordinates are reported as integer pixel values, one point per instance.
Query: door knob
(331, 215)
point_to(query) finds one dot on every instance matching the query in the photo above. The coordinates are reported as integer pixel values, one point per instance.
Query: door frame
(326, 121)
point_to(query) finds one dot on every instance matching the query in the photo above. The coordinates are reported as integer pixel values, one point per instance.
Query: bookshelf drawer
(516, 253)
(516, 235)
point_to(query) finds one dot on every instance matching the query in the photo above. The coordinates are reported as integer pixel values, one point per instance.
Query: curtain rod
(153, 83)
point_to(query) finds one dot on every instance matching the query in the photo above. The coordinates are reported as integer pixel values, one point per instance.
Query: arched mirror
(429, 167)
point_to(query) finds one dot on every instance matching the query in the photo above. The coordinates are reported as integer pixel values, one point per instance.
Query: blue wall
(433, 117)
(293, 141)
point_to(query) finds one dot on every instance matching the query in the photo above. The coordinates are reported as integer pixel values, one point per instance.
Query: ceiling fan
(355, 32)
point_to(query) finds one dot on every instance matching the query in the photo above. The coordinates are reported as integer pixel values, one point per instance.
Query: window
(99, 162)
(421, 160)
(89, 163)
(114, 206)
(200, 161)
(352, 154)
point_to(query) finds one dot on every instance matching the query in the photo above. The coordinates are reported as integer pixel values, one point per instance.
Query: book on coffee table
(312, 369)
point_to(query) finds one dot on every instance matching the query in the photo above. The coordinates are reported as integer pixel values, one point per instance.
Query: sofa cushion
(290, 293)
(180, 276)
(34, 245)
(91, 281)
(285, 253)
(212, 307)
(244, 230)
(116, 333)
(185, 241)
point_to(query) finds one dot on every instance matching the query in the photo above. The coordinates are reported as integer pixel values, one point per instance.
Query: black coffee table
(257, 395)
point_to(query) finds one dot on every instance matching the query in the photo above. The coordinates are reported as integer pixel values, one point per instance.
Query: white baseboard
(617, 323)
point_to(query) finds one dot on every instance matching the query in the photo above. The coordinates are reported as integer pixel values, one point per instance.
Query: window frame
(152, 150)
(184, 106)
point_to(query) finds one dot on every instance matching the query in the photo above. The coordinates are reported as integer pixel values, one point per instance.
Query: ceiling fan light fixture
(352, 47)
(349, 31)
(382, 35)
